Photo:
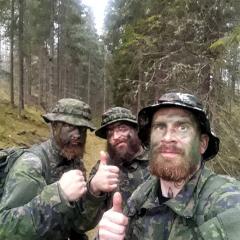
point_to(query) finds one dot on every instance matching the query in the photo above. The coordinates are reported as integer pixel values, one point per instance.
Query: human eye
(159, 126)
(68, 126)
(122, 128)
(109, 132)
(183, 127)
(82, 130)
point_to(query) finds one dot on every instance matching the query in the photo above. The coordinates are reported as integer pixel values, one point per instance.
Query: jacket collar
(185, 203)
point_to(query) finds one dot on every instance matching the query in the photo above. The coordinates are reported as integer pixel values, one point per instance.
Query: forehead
(173, 112)
(67, 125)
(119, 123)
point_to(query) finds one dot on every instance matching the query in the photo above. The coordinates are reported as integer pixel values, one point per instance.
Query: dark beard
(177, 170)
(71, 152)
(118, 157)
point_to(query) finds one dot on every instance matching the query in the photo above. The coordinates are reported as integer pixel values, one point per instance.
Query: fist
(73, 185)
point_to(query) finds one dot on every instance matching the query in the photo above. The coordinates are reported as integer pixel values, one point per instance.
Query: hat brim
(102, 131)
(144, 132)
(72, 120)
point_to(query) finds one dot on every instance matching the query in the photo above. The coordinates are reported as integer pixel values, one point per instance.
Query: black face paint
(70, 135)
(71, 139)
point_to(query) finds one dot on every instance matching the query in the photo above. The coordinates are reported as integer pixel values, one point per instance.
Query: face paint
(122, 143)
(176, 147)
(71, 139)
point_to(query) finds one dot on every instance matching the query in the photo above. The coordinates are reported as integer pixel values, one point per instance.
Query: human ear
(204, 138)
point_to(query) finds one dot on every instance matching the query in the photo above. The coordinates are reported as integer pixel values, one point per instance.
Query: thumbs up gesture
(113, 223)
(106, 178)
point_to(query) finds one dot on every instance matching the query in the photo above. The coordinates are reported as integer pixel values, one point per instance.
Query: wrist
(93, 188)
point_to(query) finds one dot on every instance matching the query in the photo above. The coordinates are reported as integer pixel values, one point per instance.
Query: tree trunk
(104, 81)
(11, 55)
(21, 64)
(140, 81)
(89, 80)
(51, 57)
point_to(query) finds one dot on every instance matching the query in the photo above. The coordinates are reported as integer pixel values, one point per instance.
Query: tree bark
(89, 81)
(21, 63)
(11, 55)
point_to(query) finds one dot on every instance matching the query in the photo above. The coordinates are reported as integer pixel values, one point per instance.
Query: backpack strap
(7, 158)
(12, 154)
(41, 153)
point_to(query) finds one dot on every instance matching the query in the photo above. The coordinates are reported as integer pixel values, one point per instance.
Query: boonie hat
(186, 101)
(72, 111)
(113, 115)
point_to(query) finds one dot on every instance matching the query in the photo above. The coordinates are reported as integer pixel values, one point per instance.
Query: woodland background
(50, 49)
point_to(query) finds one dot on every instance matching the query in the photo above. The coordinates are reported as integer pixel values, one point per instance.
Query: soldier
(124, 167)
(182, 199)
(45, 202)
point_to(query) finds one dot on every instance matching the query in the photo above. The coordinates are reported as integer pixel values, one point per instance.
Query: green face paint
(175, 144)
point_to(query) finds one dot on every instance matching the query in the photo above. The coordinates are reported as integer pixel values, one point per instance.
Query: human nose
(75, 134)
(116, 133)
(169, 135)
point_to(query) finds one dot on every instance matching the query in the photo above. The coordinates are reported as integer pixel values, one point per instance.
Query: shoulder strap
(41, 153)
(136, 201)
(12, 155)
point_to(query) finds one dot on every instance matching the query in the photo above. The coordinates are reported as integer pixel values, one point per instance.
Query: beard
(119, 155)
(175, 170)
(71, 152)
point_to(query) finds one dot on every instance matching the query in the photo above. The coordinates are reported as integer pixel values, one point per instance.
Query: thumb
(103, 158)
(117, 202)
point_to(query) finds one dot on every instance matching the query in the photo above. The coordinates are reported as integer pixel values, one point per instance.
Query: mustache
(120, 140)
(166, 148)
(73, 140)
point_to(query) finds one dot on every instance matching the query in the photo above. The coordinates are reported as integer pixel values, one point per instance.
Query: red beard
(174, 169)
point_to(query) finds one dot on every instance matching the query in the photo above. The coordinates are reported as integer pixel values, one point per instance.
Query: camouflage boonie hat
(113, 115)
(71, 111)
(183, 100)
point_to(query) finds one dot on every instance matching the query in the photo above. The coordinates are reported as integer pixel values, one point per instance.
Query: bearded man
(182, 199)
(44, 189)
(125, 165)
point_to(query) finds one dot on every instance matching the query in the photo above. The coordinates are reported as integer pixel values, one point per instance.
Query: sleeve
(28, 206)
(90, 208)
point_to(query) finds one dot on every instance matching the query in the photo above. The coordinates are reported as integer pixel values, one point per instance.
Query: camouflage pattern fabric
(132, 174)
(113, 115)
(72, 111)
(207, 208)
(32, 209)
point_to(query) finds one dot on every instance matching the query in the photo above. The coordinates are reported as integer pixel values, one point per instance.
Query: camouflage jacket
(208, 207)
(132, 174)
(34, 208)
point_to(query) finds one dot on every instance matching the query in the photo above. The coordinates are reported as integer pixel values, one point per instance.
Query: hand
(73, 185)
(113, 223)
(106, 178)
